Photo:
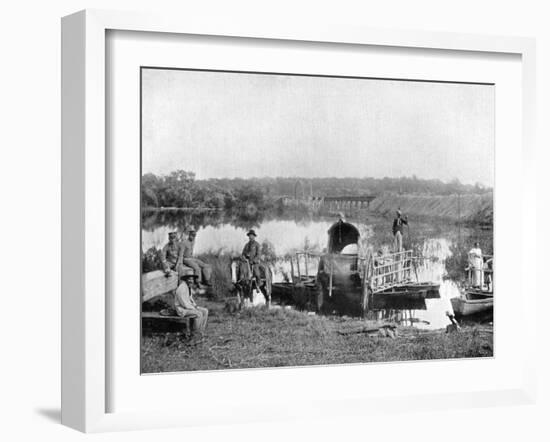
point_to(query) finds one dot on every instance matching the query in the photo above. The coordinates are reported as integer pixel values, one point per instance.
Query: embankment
(470, 208)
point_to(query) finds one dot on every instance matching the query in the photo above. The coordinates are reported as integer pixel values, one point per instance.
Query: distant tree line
(181, 189)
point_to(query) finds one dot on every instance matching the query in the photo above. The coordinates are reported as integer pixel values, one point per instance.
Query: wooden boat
(476, 293)
(476, 300)
(347, 282)
(466, 304)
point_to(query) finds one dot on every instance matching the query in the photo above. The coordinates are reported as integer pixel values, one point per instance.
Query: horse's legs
(267, 294)
(247, 293)
(268, 285)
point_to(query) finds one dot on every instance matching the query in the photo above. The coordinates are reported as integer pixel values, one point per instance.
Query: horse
(245, 282)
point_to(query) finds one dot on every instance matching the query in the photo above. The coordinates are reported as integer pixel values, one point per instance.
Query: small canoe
(465, 307)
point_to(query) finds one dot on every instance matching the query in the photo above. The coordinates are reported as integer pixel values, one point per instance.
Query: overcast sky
(251, 125)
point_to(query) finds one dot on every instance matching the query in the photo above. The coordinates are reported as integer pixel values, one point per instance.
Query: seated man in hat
(251, 253)
(171, 255)
(203, 271)
(186, 307)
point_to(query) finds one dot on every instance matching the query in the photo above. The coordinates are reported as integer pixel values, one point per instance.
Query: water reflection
(436, 251)
(286, 236)
(443, 247)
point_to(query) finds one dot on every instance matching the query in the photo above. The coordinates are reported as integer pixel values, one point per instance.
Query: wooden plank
(411, 293)
(156, 283)
(368, 329)
(157, 315)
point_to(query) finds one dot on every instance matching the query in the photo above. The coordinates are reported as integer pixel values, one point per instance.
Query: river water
(443, 245)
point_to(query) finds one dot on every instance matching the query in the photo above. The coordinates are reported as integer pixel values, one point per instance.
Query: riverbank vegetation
(259, 337)
(181, 189)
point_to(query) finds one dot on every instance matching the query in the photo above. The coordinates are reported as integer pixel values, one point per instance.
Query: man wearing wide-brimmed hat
(203, 271)
(251, 253)
(186, 307)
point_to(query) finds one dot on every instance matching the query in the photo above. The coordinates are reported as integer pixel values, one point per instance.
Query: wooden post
(330, 279)
(365, 301)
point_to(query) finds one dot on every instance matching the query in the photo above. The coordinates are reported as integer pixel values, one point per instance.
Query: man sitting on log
(203, 271)
(171, 255)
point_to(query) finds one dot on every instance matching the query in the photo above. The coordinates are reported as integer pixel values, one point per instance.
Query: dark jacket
(398, 224)
(251, 252)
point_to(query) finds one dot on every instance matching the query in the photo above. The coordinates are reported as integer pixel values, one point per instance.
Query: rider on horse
(251, 253)
(248, 272)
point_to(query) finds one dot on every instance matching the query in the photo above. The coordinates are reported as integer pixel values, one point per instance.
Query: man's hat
(251, 232)
(191, 229)
(172, 234)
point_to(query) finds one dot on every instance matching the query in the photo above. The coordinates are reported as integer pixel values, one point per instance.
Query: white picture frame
(85, 199)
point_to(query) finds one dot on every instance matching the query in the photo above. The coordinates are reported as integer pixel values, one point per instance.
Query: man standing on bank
(251, 253)
(398, 231)
(203, 271)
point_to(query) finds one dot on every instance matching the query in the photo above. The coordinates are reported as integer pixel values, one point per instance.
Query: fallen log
(369, 330)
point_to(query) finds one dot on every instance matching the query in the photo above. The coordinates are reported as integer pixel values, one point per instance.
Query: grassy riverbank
(280, 337)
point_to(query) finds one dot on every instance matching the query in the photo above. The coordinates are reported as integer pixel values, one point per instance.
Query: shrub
(221, 274)
(151, 260)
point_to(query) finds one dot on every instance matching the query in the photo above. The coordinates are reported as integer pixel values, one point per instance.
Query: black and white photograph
(293, 220)
(275, 221)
